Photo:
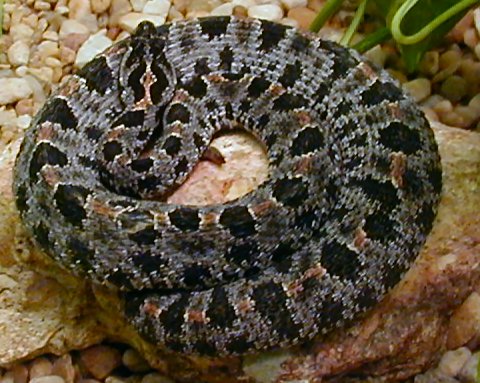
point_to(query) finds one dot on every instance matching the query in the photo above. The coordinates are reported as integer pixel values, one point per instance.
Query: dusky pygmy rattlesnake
(354, 182)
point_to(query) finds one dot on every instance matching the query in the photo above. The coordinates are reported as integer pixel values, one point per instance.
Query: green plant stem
(426, 30)
(327, 11)
(352, 28)
(377, 37)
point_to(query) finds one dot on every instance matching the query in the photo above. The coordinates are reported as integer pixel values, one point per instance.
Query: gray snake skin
(354, 183)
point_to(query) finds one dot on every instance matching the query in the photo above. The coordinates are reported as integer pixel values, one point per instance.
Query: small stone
(430, 63)
(138, 5)
(41, 5)
(134, 361)
(454, 88)
(130, 21)
(63, 367)
(464, 323)
(25, 106)
(289, 4)
(8, 377)
(157, 7)
(21, 32)
(155, 377)
(94, 45)
(419, 88)
(453, 361)
(476, 19)
(67, 55)
(434, 376)
(223, 10)
(18, 53)
(449, 62)
(99, 6)
(47, 379)
(377, 55)
(20, 373)
(304, 16)
(50, 35)
(117, 10)
(48, 48)
(468, 373)
(266, 11)
(44, 74)
(72, 26)
(13, 89)
(101, 360)
(470, 38)
(40, 366)
(316, 5)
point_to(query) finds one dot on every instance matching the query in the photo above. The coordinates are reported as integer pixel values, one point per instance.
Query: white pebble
(72, 26)
(157, 7)
(289, 4)
(138, 5)
(94, 45)
(223, 10)
(419, 88)
(18, 53)
(13, 89)
(267, 11)
(47, 379)
(21, 32)
(244, 3)
(131, 20)
(476, 19)
(453, 361)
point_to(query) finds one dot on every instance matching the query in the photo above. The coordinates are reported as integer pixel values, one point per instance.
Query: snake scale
(353, 187)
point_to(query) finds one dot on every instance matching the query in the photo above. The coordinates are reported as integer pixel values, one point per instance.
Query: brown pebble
(101, 360)
(40, 367)
(155, 377)
(20, 374)
(63, 367)
(134, 361)
(304, 16)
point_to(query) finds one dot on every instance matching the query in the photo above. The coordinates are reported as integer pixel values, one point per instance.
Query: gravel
(45, 41)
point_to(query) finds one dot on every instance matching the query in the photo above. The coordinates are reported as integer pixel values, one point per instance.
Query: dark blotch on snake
(111, 149)
(97, 75)
(400, 138)
(172, 145)
(196, 275)
(308, 140)
(145, 236)
(381, 91)
(45, 154)
(220, 312)
(70, 201)
(339, 260)
(271, 35)
(291, 191)
(242, 254)
(185, 219)
(178, 112)
(291, 74)
(239, 221)
(58, 111)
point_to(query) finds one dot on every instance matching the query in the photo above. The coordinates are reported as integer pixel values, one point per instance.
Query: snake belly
(353, 187)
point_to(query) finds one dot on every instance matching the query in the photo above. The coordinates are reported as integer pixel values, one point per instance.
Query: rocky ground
(44, 41)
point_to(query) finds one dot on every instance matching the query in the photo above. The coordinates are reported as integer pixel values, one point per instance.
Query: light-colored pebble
(18, 53)
(130, 21)
(266, 11)
(453, 361)
(134, 361)
(25, 106)
(377, 55)
(223, 10)
(137, 5)
(316, 5)
(419, 88)
(476, 19)
(99, 6)
(157, 7)
(94, 45)
(100, 360)
(21, 32)
(72, 26)
(449, 62)
(155, 377)
(63, 367)
(48, 379)
(303, 16)
(454, 88)
(469, 372)
(40, 366)
(289, 4)
(8, 377)
(465, 321)
(44, 74)
(430, 63)
(13, 89)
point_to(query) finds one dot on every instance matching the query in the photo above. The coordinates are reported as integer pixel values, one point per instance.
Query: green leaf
(420, 20)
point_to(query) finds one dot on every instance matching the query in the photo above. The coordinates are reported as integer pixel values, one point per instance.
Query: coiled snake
(354, 182)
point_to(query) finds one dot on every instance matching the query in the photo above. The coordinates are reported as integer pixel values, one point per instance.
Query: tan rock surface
(43, 309)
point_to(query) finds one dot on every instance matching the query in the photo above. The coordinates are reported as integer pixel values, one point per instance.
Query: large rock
(45, 310)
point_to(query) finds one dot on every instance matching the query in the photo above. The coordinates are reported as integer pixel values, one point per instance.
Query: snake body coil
(354, 182)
